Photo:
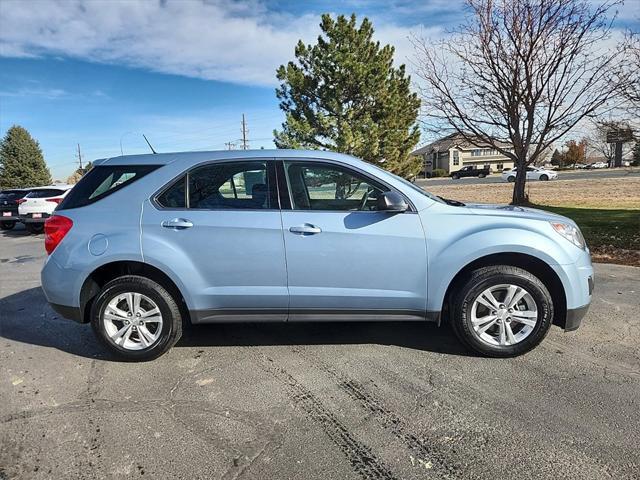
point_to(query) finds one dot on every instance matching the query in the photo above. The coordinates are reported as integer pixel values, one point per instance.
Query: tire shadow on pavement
(27, 318)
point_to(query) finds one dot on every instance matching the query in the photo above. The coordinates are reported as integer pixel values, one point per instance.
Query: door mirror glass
(392, 202)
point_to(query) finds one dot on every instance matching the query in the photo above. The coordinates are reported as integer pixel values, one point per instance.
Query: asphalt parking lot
(328, 401)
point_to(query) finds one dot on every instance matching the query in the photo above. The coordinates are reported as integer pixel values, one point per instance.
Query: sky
(103, 72)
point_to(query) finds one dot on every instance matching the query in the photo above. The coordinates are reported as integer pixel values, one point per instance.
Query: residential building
(453, 152)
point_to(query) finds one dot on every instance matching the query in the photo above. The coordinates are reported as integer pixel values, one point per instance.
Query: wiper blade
(453, 203)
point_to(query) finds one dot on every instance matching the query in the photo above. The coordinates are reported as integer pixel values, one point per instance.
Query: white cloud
(239, 42)
(48, 93)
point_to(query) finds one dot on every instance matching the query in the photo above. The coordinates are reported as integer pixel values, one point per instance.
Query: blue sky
(102, 73)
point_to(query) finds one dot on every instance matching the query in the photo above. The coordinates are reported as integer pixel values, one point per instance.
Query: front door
(345, 259)
(218, 229)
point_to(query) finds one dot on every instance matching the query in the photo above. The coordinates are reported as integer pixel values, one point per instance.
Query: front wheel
(7, 225)
(482, 175)
(511, 179)
(502, 311)
(136, 318)
(544, 177)
(455, 177)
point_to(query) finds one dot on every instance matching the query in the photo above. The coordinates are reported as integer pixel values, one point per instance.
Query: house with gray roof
(453, 152)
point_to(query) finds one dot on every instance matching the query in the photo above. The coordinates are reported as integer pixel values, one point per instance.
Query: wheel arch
(530, 263)
(109, 271)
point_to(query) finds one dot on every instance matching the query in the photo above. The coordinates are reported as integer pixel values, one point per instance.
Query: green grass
(619, 228)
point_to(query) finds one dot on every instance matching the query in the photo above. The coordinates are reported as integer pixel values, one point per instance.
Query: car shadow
(27, 318)
(17, 231)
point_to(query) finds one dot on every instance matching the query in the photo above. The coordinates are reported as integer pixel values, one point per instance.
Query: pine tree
(344, 94)
(21, 162)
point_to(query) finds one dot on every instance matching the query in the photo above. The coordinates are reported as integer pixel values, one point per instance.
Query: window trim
(347, 166)
(271, 175)
(282, 200)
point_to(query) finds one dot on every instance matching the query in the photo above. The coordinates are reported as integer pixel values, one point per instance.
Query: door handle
(177, 223)
(306, 229)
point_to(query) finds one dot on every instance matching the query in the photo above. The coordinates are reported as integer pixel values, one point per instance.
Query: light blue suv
(146, 243)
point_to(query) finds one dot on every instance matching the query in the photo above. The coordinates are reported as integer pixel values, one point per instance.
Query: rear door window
(223, 186)
(231, 185)
(101, 182)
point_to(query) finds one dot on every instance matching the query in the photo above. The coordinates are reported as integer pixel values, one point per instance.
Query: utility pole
(79, 157)
(230, 145)
(244, 134)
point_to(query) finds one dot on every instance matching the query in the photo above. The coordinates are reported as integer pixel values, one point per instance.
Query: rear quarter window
(101, 182)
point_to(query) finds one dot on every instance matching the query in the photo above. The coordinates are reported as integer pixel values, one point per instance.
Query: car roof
(197, 157)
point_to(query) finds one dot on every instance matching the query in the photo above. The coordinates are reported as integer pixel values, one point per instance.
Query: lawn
(612, 235)
(607, 210)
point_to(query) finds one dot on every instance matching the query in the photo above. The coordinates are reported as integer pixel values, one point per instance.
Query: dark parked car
(9, 201)
(470, 171)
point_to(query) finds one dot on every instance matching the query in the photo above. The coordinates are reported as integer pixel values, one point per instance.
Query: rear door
(345, 259)
(218, 229)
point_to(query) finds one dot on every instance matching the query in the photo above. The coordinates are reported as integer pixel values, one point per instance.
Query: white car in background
(599, 165)
(39, 204)
(533, 173)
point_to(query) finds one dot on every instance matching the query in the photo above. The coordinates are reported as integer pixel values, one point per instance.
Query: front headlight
(570, 232)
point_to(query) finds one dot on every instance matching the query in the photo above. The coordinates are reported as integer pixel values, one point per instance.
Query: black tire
(482, 175)
(172, 319)
(455, 177)
(511, 179)
(7, 225)
(35, 228)
(544, 177)
(484, 278)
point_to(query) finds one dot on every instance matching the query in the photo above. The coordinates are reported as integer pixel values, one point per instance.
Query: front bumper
(574, 318)
(578, 282)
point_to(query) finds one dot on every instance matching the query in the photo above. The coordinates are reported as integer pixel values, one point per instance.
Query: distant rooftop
(452, 140)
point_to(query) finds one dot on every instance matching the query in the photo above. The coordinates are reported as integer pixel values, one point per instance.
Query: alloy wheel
(132, 321)
(504, 315)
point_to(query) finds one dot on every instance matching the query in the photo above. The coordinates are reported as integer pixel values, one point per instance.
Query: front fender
(448, 258)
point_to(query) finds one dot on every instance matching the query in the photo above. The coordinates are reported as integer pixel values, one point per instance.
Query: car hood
(514, 211)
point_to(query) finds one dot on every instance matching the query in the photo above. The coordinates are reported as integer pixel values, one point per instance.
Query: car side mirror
(392, 202)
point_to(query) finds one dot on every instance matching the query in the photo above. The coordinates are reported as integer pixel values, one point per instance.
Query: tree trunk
(519, 195)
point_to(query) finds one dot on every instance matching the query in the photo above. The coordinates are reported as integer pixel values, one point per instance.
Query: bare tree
(523, 72)
(631, 92)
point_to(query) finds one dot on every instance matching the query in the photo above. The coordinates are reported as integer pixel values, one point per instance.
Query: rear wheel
(36, 228)
(511, 179)
(482, 175)
(136, 318)
(544, 177)
(502, 311)
(7, 225)
(455, 177)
